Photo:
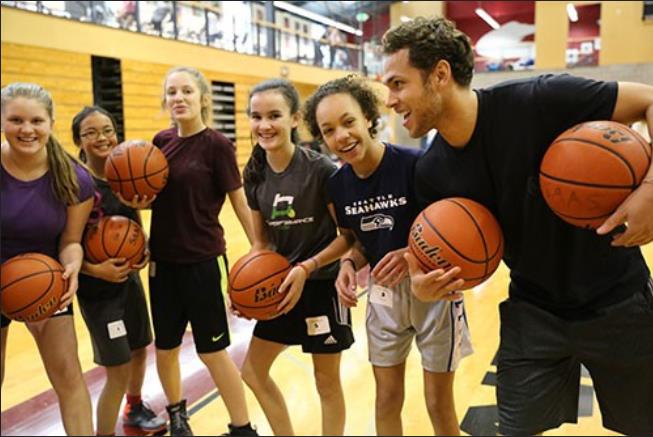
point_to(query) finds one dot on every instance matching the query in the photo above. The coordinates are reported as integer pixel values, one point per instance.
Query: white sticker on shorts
(381, 295)
(152, 269)
(59, 311)
(116, 329)
(318, 325)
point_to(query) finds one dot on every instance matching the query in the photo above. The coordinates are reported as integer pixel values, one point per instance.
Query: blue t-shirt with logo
(379, 209)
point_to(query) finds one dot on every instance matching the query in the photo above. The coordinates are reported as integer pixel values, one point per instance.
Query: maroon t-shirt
(185, 226)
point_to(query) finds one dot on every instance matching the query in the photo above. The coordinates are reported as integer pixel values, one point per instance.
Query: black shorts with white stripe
(319, 322)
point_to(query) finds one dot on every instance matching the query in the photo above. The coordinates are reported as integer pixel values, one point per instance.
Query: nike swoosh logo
(215, 339)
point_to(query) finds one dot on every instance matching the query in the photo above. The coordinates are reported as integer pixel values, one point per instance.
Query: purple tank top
(31, 217)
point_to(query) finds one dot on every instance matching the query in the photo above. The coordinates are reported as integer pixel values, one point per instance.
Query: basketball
(254, 284)
(135, 168)
(457, 232)
(31, 287)
(115, 237)
(590, 169)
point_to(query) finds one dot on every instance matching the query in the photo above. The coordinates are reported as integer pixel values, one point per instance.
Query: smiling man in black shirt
(576, 296)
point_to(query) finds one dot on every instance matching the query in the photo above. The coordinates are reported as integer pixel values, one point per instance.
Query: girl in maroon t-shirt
(188, 248)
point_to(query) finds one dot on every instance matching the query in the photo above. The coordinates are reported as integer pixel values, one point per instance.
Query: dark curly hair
(430, 40)
(354, 86)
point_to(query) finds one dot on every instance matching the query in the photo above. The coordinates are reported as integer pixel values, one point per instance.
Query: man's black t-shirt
(566, 270)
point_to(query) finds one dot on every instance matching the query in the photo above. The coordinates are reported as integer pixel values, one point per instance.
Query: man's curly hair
(355, 87)
(429, 40)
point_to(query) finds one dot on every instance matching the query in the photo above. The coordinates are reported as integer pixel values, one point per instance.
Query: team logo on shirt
(376, 222)
(282, 207)
(375, 203)
(283, 214)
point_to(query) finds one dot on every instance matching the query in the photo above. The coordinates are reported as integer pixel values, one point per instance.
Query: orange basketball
(31, 287)
(115, 237)
(457, 232)
(136, 167)
(254, 284)
(590, 169)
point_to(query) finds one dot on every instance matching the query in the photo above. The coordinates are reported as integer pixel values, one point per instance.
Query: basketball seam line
(29, 276)
(106, 252)
(131, 176)
(138, 177)
(646, 146)
(124, 238)
(32, 259)
(478, 228)
(449, 244)
(601, 146)
(588, 184)
(258, 282)
(144, 241)
(147, 158)
(88, 250)
(40, 296)
(237, 272)
(584, 218)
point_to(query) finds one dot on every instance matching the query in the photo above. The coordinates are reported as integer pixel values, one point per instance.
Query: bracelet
(350, 260)
(303, 267)
(317, 263)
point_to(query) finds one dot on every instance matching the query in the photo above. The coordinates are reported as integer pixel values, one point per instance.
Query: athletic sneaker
(179, 419)
(245, 430)
(141, 416)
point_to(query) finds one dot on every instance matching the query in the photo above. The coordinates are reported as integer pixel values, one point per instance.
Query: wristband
(353, 264)
(317, 263)
(303, 267)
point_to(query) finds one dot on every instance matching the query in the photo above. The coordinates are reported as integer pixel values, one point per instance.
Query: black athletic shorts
(183, 293)
(318, 322)
(539, 362)
(68, 311)
(119, 323)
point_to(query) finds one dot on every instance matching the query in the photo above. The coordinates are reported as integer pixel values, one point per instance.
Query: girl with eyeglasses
(110, 295)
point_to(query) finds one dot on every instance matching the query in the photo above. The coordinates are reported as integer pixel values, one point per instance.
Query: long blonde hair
(61, 165)
(202, 85)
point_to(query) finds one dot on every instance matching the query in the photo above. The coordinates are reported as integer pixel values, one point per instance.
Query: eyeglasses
(93, 135)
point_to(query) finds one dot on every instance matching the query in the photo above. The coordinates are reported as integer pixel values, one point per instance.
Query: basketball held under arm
(239, 204)
(634, 102)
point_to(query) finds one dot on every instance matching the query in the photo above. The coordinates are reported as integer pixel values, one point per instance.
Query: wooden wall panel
(66, 75)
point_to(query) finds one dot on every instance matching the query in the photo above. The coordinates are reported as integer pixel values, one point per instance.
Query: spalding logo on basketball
(254, 283)
(457, 232)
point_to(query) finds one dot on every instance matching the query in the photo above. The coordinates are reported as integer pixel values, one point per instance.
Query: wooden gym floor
(29, 406)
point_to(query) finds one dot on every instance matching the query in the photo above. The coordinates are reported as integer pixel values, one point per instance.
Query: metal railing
(210, 24)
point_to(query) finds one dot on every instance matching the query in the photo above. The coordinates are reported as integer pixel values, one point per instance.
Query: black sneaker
(245, 430)
(179, 419)
(142, 417)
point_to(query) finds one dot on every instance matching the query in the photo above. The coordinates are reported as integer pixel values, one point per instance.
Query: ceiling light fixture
(487, 18)
(316, 17)
(572, 13)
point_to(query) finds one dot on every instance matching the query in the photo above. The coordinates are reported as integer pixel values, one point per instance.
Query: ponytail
(64, 178)
(254, 173)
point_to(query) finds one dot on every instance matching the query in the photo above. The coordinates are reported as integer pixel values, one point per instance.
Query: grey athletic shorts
(395, 316)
